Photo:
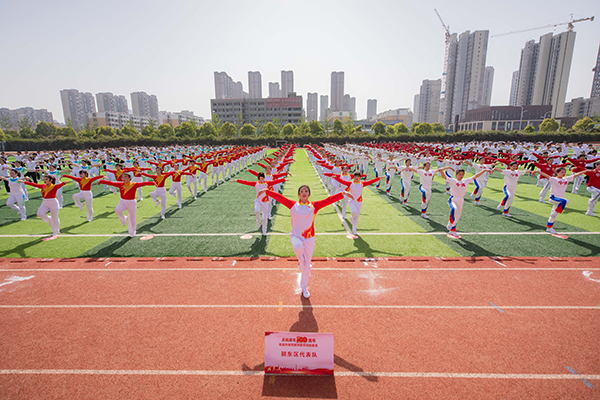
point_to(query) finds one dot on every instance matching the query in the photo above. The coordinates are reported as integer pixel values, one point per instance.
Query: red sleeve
(372, 181)
(59, 185)
(280, 198)
(340, 180)
(253, 172)
(281, 175)
(151, 162)
(110, 183)
(328, 201)
(112, 171)
(140, 184)
(247, 183)
(275, 181)
(95, 178)
(37, 185)
(329, 174)
(147, 175)
(72, 177)
(262, 165)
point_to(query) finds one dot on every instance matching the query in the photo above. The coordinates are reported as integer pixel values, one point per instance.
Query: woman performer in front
(303, 227)
(49, 203)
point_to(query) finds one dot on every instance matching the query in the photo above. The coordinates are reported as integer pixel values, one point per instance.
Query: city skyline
(189, 84)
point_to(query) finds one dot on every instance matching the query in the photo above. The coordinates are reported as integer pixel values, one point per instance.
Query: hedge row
(463, 136)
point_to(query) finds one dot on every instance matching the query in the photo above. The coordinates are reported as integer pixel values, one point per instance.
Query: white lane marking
(333, 306)
(449, 375)
(283, 269)
(13, 279)
(587, 274)
(317, 234)
(495, 259)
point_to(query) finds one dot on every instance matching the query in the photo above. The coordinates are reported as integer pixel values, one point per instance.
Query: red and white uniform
(261, 202)
(49, 204)
(16, 195)
(160, 191)
(593, 187)
(510, 187)
(456, 200)
(356, 202)
(303, 228)
(85, 194)
(176, 185)
(127, 202)
(558, 187)
(426, 182)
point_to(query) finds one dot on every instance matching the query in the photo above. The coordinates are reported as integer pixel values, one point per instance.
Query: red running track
(403, 328)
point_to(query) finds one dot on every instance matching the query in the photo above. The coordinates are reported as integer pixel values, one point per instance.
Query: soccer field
(213, 224)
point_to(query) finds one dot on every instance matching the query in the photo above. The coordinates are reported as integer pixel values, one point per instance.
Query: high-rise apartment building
(488, 83)
(514, 89)
(371, 108)
(323, 109)
(144, 104)
(312, 107)
(223, 86)
(416, 106)
(350, 105)
(544, 71)
(429, 102)
(596, 81)
(274, 90)
(464, 76)
(108, 102)
(254, 85)
(77, 106)
(287, 83)
(337, 91)
(15, 116)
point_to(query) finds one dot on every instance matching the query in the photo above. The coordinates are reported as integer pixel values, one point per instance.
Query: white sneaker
(550, 230)
(162, 217)
(500, 207)
(23, 217)
(179, 205)
(90, 220)
(125, 223)
(507, 215)
(453, 234)
(195, 197)
(543, 201)
(574, 192)
(388, 193)
(80, 208)
(156, 203)
(591, 214)
(477, 203)
(423, 215)
(305, 293)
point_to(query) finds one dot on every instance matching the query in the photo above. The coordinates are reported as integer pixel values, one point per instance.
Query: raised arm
(372, 181)
(280, 198)
(327, 201)
(247, 183)
(110, 183)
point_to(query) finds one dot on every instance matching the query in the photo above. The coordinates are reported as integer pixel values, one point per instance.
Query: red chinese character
(295, 354)
(314, 354)
(283, 353)
(307, 354)
(289, 353)
(302, 354)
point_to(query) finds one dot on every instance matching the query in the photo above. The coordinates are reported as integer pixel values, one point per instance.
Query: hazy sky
(172, 48)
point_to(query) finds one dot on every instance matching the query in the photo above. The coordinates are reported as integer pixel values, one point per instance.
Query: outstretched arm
(280, 198)
(327, 201)
(247, 183)
(372, 181)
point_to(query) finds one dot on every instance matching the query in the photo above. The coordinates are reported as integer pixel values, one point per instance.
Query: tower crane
(444, 77)
(569, 24)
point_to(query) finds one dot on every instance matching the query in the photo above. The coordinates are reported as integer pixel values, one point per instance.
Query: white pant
(303, 248)
(545, 189)
(509, 196)
(188, 181)
(595, 196)
(425, 197)
(456, 206)
(131, 207)
(202, 177)
(138, 179)
(405, 190)
(264, 208)
(162, 193)
(355, 207)
(87, 196)
(176, 187)
(50, 205)
(18, 198)
(59, 197)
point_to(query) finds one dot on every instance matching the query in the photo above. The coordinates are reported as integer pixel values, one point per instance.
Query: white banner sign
(299, 353)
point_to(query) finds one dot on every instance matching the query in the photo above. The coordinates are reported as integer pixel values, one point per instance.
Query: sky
(172, 48)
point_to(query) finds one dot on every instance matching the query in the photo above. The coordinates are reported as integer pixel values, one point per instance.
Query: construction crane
(444, 77)
(569, 24)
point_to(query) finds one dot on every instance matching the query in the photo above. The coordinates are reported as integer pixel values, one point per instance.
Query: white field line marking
(13, 279)
(450, 375)
(250, 269)
(495, 259)
(587, 274)
(335, 207)
(333, 306)
(317, 234)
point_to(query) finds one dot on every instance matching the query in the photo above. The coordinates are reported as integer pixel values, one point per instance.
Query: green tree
(149, 129)
(2, 136)
(45, 129)
(413, 127)
(247, 130)
(302, 129)
(207, 130)
(401, 128)
(438, 128)
(27, 133)
(338, 127)
(228, 130)
(315, 127)
(549, 125)
(131, 123)
(68, 132)
(378, 128)
(129, 131)
(165, 131)
(350, 127)
(87, 131)
(186, 130)
(69, 122)
(529, 129)
(583, 125)
(424, 128)
(257, 124)
(216, 123)
(390, 130)
(239, 122)
(25, 124)
(5, 123)
(104, 132)
(326, 124)
(288, 130)
(277, 122)
(269, 129)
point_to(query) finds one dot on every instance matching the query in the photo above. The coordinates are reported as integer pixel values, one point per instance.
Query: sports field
(213, 224)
